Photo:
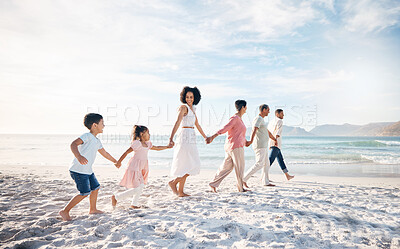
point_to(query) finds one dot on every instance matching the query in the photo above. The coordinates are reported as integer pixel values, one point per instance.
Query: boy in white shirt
(81, 168)
(275, 127)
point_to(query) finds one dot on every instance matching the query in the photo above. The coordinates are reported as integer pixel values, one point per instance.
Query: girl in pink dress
(137, 172)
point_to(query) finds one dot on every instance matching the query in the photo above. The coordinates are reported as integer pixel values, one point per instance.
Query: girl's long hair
(137, 129)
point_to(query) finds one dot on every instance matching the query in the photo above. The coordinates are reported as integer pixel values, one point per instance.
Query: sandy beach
(308, 212)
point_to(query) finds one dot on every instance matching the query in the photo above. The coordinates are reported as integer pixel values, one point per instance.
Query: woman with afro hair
(186, 160)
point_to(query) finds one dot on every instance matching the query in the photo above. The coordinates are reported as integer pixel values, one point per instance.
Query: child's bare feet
(96, 211)
(134, 207)
(113, 201)
(289, 177)
(172, 185)
(64, 215)
(245, 184)
(269, 185)
(183, 195)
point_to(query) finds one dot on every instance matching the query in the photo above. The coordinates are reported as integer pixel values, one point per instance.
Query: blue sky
(321, 61)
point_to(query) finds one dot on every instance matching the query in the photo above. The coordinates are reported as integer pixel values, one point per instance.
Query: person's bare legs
(113, 201)
(172, 184)
(64, 213)
(93, 202)
(181, 186)
(289, 177)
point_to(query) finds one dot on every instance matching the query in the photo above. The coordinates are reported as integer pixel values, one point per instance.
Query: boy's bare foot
(96, 211)
(183, 195)
(134, 207)
(213, 189)
(270, 185)
(113, 201)
(64, 215)
(289, 177)
(173, 187)
(245, 184)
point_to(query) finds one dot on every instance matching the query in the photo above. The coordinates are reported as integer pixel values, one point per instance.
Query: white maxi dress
(186, 156)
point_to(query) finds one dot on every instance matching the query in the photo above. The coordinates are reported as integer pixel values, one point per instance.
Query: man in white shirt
(275, 127)
(260, 136)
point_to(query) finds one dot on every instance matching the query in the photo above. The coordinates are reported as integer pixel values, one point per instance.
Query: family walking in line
(186, 160)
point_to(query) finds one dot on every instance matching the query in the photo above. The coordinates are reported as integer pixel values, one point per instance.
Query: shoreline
(61, 173)
(303, 170)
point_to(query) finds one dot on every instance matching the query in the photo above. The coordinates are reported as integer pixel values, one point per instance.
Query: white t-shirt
(261, 138)
(275, 127)
(88, 149)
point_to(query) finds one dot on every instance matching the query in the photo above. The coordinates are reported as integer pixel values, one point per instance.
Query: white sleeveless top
(186, 157)
(190, 119)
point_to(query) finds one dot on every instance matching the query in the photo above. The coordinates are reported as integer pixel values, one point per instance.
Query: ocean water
(366, 156)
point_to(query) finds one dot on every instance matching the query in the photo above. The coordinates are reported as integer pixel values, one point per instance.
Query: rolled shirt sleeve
(228, 126)
(258, 123)
(279, 126)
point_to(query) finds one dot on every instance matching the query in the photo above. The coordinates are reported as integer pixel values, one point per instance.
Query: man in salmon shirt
(234, 148)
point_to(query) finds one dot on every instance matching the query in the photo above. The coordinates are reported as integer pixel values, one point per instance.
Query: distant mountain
(335, 130)
(295, 131)
(391, 130)
(372, 129)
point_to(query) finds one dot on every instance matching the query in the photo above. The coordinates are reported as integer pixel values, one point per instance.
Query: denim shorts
(85, 183)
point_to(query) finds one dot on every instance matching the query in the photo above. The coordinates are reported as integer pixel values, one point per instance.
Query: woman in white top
(186, 157)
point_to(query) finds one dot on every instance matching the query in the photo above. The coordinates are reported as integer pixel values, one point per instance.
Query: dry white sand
(307, 212)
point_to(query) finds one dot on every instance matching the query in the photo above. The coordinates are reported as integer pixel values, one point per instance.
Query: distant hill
(295, 131)
(372, 129)
(335, 130)
(391, 130)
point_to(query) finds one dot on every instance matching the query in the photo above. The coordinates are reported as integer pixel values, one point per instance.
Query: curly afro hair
(196, 94)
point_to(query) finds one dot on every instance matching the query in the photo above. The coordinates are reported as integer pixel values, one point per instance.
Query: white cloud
(303, 83)
(69, 53)
(257, 20)
(366, 16)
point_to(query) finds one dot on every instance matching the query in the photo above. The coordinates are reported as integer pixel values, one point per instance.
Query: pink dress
(137, 171)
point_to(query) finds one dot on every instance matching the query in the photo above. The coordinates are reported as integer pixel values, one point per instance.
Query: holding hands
(210, 139)
(275, 143)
